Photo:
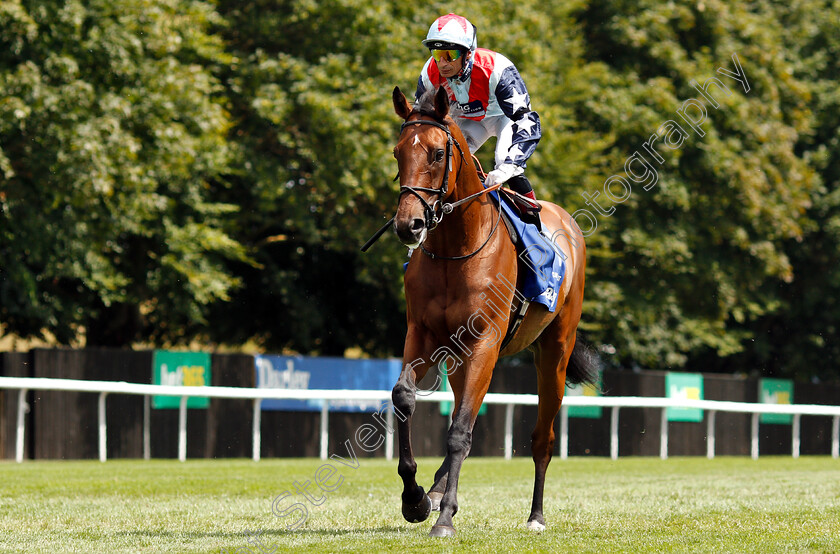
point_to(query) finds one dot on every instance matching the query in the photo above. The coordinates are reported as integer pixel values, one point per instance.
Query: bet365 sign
(180, 369)
(685, 386)
(775, 391)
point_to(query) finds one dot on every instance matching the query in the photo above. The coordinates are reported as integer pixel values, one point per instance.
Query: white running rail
(104, 388)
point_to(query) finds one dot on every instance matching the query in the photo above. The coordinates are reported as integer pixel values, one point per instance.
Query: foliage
(799, 338)
(686, 265)
(172, 169)
(113, 140)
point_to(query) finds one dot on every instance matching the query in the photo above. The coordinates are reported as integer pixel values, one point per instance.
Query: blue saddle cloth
(544, 269)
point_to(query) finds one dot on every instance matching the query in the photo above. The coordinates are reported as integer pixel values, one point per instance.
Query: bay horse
(455, 308)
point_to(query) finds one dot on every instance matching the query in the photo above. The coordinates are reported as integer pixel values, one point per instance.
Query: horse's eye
(439, 155)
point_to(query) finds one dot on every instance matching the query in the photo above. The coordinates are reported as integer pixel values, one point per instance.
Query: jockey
(488, 98)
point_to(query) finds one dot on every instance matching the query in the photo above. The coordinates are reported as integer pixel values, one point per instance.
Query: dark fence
(63, 425)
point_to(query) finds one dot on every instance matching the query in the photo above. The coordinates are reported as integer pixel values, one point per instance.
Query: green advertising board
(587, 389)
(184, 369)
(775, 391)
(446, 407)
(686, 386)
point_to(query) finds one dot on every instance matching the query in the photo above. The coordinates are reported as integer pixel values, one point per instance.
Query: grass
(592, 505)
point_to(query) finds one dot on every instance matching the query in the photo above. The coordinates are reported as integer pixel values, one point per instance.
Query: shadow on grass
(277, 533)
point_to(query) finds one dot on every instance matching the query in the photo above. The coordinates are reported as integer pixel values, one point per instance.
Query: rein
(433, 256)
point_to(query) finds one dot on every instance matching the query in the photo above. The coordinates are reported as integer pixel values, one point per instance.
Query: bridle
(431, 215)
(430, 211)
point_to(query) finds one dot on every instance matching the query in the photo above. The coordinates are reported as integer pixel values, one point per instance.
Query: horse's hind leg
(551, 360)
(439, 486)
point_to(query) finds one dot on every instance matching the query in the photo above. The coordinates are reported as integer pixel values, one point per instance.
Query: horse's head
(424, 156)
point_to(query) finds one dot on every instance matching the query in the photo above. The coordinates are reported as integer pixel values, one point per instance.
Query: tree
(178, 169)
(112, 145)
(315, 131)
(679, 270)
(799, 339)
(314, 134)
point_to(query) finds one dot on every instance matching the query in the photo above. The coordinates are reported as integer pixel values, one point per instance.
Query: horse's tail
(584, 364)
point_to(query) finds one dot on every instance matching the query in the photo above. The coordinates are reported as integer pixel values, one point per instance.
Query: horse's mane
(425, 105)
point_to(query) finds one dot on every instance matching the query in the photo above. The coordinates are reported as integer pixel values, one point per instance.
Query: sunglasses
(447, 55)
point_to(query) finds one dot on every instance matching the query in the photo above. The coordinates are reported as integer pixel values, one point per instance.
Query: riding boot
(521, 185)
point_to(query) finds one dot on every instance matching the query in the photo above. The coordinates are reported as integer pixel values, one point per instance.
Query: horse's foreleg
(459, 443)
(458, 447)
(456, 383)
(416, 505)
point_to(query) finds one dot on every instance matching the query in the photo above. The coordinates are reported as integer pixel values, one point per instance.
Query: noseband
(430, 211)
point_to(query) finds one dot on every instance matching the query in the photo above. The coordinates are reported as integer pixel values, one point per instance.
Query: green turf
(592, 505)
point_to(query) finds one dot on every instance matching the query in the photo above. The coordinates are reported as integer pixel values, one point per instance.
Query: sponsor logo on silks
(472, 109)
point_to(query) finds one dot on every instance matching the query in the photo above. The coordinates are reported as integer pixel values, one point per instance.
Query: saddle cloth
(543, 268)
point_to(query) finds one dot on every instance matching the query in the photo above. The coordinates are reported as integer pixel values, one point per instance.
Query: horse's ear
(441, 103)
(400, 103)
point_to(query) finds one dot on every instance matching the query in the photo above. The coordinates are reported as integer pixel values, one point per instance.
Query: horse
(459, 297)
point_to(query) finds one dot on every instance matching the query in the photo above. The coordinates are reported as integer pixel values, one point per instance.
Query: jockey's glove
(502, 173)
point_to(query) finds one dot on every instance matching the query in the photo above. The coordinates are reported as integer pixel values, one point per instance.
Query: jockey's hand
(501, 174)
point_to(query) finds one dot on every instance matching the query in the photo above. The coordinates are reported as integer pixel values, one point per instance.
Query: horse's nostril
(411, 230)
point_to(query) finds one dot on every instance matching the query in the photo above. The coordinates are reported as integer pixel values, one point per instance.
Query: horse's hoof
(435, 497)
(442, 531)
(415, 513)
(534, 525)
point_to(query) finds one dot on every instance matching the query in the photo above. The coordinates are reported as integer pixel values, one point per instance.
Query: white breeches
(477, 133)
